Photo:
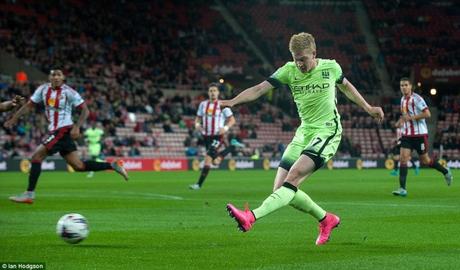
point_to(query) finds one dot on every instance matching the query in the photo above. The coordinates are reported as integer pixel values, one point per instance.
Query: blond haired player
(312, 82)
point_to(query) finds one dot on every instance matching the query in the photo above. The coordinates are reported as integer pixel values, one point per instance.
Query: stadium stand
(339, 38)
(448, 128)
(102, 46)
(412, 33)
(119, 70)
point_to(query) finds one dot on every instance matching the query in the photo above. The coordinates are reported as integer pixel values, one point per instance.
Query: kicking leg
(301, 200)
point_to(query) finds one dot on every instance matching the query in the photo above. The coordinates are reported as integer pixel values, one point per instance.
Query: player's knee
(426, 161)
(208, 161)
(404, 159)
(295, 175)
(37, 158)
(79, 167)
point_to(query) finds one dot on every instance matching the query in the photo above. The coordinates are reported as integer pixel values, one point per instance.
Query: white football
(72, 228)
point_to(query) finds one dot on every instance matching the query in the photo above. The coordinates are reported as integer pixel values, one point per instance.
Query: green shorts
(319, 144)
(94, 150)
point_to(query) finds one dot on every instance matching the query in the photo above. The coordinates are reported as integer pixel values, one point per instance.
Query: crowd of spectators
(106, 108)
(124, 44)
(272, 23)
(448, 135)
(416, 33)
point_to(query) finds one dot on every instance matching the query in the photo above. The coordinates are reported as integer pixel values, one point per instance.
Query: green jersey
(314, 92)
(94, 135)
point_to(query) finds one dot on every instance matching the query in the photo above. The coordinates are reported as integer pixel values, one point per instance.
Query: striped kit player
(213, 121)
(414, 111)
(59, 101)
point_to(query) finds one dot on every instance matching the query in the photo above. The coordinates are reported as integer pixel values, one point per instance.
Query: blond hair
(302, 41)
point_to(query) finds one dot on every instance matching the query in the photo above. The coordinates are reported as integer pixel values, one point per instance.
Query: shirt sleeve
(37, 96)
(337, 70)
(421, 104)
(280, 77)
(227, 112)
(200, 109)
(75, 99)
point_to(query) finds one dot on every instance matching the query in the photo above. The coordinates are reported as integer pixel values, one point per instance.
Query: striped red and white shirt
(413, 105)
(58, 104)
(212, 117)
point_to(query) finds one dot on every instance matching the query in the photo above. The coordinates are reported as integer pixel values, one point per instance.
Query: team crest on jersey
(325, 74)
(51, 102)
(209, 111)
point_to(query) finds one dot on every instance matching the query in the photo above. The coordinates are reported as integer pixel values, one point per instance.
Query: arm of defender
(350, 91)
(10, 104)
(399, 123)
(248, 95)
(198, 122)
(23, 110)
(75, 132)
(229, 123)
(425, 114)
(6, 106)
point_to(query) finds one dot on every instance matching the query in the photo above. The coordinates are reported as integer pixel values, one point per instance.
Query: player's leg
(73, 159)
(35, 169)
(301, 200)
(416, 166)
(223, 154)
(321, 148)
(427, 161)
(234, 143)
(302, 168)
(212, 144)
(404, 157)
(395, 171)
(94, 151)
(204, 173)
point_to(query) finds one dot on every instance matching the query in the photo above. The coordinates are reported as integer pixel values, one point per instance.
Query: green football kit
(314, 93)
(94, 136)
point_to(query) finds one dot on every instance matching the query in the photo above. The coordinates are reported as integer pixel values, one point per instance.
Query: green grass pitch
(155, 222)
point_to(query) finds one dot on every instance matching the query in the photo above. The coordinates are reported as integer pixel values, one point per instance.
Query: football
(72, 228)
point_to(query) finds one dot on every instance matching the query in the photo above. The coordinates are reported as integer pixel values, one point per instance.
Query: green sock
(304, 203)
(281, 197)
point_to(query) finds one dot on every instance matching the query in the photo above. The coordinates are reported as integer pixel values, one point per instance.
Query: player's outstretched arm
(248, 95)
(6, 106)
(350, 91)
(9, 105)
(25, 109)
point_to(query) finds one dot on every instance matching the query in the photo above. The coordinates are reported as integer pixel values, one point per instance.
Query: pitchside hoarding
(182, 164)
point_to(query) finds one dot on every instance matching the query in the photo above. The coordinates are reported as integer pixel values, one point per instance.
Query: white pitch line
(113, 194)
(147, 195)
